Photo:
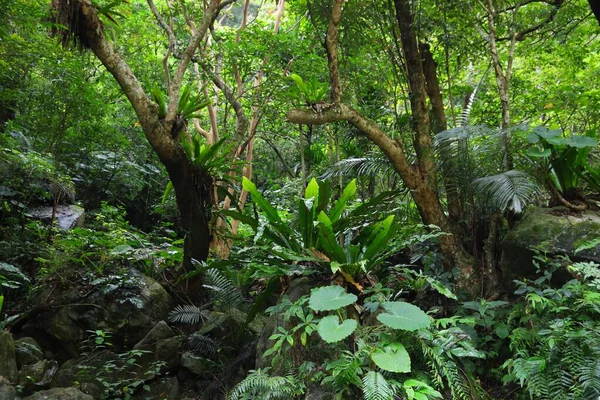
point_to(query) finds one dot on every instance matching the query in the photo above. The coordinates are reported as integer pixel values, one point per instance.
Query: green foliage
(554, 338)
(375, 387)
(330, 298)
(311, 92)
(567, 157)
(405, 316)
(393, 358)
(260, 385)
(332, 331)
(315, 238)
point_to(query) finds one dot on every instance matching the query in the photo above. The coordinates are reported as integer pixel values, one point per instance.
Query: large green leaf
(383, 232)
(328, 239)
(340, 205)
(393, 358)
(270, 212)
(332, 331)
(405, 316)
(330, 298)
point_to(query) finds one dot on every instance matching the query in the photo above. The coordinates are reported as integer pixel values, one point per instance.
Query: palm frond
(375, 387)
(371, 166)
(510, 190)
(202, 344)
(260, 385)
(223, 292)
(186, 314)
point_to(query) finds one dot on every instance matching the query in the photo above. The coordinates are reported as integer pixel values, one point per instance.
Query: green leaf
(328, 239)
(382, 233)
(1, 302)
(312, 190)
(270, 212)
(502, 331)
(253, 223)
(120, 249)
(340, 205)
(393, 358)
(440, 288)
(375, 387)
(330, 298)
(332, 331)
(405, 316)
(537, 153)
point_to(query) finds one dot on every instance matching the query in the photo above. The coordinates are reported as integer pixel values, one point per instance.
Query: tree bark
(190, 183)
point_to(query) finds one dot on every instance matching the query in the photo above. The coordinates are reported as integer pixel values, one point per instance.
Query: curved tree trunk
(192, 186)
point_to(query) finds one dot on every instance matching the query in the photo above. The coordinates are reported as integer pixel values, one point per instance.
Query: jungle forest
(299, 199)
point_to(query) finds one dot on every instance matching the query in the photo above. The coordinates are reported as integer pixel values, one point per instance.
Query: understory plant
(554, 336)
(376, 349)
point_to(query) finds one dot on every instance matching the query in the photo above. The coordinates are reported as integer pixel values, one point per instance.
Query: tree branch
(209, 15)
(331, 45)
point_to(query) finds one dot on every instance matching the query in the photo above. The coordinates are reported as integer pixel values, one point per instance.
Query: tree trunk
(192, 186)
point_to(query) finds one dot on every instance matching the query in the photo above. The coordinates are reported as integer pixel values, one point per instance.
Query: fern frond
(510, 190)
(203, 345)
(186, 314)
(223, 291)
(260, 385)
(375, 387)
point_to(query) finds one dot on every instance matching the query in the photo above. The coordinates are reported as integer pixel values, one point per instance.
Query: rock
(165, 388)
(27, 351)
(67, 216)
(163, 348)
(8, 362)
(60, 394)
(7, 391)
(318, 392)
(195, 364)
(554, 231)
(86, 371)
(34, 377)
(125, 306)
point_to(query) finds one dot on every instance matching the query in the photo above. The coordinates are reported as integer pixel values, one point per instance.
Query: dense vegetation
(319, 199)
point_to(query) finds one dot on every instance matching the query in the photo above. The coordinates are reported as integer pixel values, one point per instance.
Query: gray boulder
(27, 351)
(163, 389)
(60, 394)
(554, 232)
(8, 362)
(161, 347)
(195, 364)
(125, 306)
(7, 391)
(33, 377)
(67, 216)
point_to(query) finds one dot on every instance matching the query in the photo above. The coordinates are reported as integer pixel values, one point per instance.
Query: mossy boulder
(34, 377)
(126, 306)
(8, 362)
(553, 232)
(60, 394)
(27, 351)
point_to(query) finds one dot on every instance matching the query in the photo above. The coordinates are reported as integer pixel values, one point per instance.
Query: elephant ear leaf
(393, 358)
(330, 298)
(332, 331)
(404, 316)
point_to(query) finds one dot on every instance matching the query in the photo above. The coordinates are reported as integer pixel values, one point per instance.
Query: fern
(186, 314)
(375, 387)
(510, 190)
(203, 345)
(259, 385)
(223, 292)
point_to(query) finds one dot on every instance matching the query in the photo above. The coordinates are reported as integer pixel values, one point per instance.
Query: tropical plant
(554, 337)
(565, 163)
(315, 238)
